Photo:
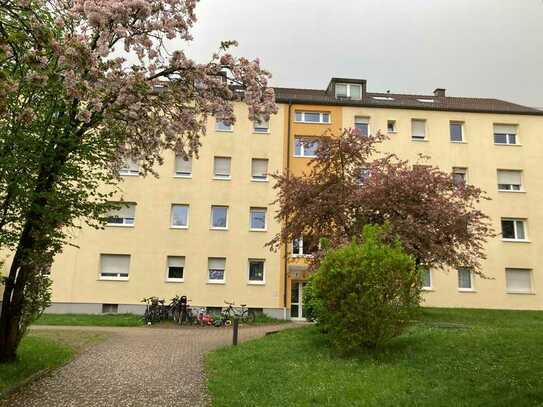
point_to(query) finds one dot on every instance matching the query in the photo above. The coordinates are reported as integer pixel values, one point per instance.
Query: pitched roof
(400, 101)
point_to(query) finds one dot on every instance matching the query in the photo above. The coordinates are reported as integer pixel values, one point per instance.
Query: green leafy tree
(365, 293)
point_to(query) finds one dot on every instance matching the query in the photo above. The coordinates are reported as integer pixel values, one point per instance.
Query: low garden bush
(366, 292)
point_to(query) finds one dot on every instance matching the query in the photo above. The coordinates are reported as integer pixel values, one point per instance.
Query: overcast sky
(485, 48)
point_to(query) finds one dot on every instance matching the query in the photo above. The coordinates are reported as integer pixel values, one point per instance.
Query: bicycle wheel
(248, 317)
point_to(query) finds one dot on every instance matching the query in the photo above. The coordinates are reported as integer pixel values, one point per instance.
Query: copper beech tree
(350, 184)
(85, 84)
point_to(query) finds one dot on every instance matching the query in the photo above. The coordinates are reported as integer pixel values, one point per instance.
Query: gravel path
(135, 367)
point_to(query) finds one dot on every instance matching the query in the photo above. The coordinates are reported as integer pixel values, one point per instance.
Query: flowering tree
(72, 107)
(351, 185)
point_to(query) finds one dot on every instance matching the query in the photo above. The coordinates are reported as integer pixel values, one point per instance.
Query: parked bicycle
(181, 312)
(242, 313)
(154, 310)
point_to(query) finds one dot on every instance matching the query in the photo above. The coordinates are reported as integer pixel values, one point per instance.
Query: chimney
(439, 92)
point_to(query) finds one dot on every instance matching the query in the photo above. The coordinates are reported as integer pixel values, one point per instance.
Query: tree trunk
(11, 328)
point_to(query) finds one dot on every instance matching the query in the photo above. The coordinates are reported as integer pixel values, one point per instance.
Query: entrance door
(296, 300)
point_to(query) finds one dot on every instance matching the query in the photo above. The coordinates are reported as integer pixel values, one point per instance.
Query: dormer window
(348, 91)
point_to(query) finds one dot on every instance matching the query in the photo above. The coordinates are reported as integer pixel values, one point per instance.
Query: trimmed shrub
(365, 293)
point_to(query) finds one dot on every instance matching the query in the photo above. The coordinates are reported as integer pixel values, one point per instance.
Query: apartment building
(200, 229)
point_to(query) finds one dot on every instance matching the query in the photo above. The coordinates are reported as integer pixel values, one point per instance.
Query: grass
(90, 319)
(42, 351)
(450, 357)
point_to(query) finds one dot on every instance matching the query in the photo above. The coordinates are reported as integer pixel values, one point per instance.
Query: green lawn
(448, 358)
(90, 319)
(41, 351)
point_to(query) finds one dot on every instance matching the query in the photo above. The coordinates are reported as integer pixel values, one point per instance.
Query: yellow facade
(77, 286)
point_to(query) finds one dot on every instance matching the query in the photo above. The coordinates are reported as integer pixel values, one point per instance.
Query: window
(305, 147)
(465, 277)
(256, 271)
(258, 218)
(426, 279)
(457, 132)
(110, 308)
(261, 126)
(221, 167)
(219, 217)
(130, 168)
(304, 246)
(418, 129)
(259, 169)
(222, 126)
(505, 134)
(176, 268)
(362, 125)
(183, 168)
(391, 126)
(509, 180)
(313, 117)
(125, 215)
(215, 269)
(114, 266)
(348, 90)
(518, 280)
(513, 229)
(460, 175)
(180, 216)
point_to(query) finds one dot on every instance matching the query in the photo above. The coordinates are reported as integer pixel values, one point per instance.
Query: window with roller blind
(505, 134)
(175, 269)
(221, 167)
(129, 167)
(114, 266)
(183, 168)
(518, 281)
(216, 268)
(259, 169)
(362, 124)
(124, 215)
(418, 129)
(510, 180)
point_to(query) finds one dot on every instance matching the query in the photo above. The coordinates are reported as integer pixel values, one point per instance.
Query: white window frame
(431, 286)
(301, 253)
(258, 179)
(471, 278)
(222, 176)
(394, 127)
(119, 276)
(171, 279)
(180, 174)
(425, 138)
(521, 185)
(223, 281)
(302, 146)
(363, 120)
(226, 129)
(462, 132)
(261, 129)
(256, 282)
(255, 209)
(130, 168)
(321, 117)
(508, 136)
(460, 170)
(125, 221)
(531, 275)
(172, 226)
(219, 227)
(515, 223)
(349, 92)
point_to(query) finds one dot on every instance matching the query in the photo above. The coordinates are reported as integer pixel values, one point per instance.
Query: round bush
(365, 293)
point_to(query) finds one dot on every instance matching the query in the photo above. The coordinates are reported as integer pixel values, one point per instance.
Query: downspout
(285, 277)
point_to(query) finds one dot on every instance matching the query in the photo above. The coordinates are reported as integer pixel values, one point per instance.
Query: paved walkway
(135, 367)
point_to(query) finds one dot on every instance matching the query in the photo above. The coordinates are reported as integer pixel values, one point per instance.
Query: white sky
(486, 48)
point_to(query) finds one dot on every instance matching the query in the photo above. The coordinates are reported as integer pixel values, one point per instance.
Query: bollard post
(235, 332)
